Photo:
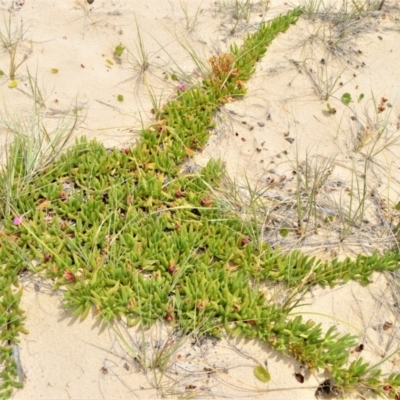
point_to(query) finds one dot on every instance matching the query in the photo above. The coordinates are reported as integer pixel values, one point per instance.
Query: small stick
(15, 355)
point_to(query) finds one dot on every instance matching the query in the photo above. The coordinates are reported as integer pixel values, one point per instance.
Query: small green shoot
(13, 84)
(120, 98)
(191, 20)
(54, 70)
(140, 58)
(346, 98)
(119, 50)
(331, 110)
(360, 97)
(10, 38)
(284, 232)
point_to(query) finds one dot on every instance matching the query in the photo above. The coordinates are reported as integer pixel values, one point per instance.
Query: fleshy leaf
(262, 374)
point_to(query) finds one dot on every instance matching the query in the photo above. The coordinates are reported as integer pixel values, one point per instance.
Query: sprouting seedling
(13, 84)
(191, 21)
(120, 98)
(13, 66)
(346, 98)
(141, 56)
(284, 232)
(10, 40)
(360, 97)
(119, 50)
(331, 110)
(54, 70)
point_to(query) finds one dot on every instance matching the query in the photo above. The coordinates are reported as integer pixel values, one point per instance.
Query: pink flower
(18, 220)
(181, 87)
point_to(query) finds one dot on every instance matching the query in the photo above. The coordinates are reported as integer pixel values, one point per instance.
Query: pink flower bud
(18, 221)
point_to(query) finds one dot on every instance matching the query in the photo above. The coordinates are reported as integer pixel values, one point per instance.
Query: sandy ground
(278, 132)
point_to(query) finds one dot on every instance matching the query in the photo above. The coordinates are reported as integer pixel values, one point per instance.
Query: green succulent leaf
(262, 374)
